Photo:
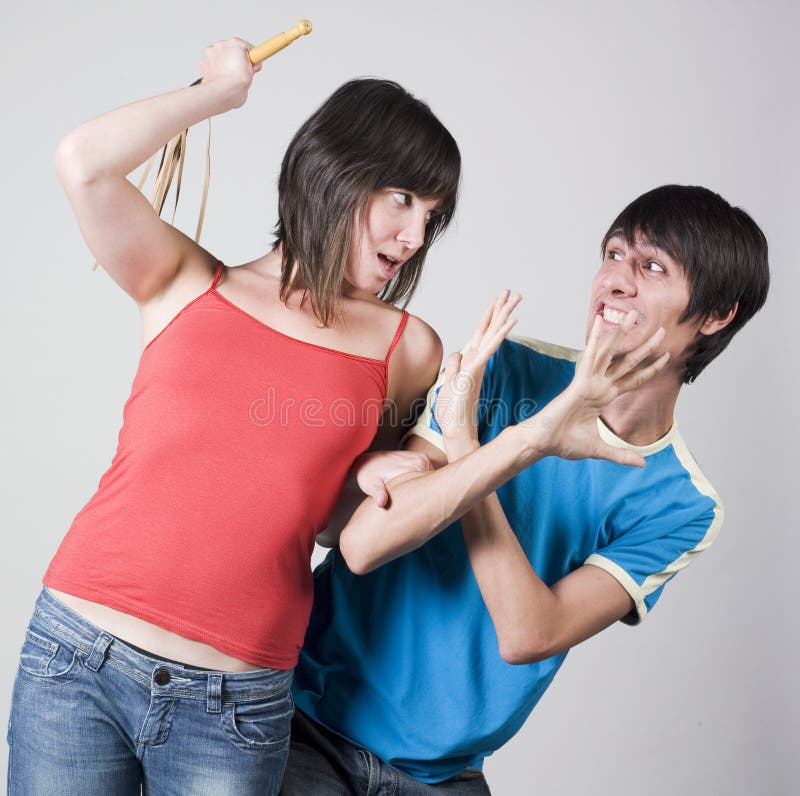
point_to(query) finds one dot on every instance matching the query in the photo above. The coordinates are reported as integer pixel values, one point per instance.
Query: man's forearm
(423, 505)
(524, 610)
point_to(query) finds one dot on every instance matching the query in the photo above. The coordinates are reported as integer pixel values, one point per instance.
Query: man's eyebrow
(616, 236)
(648, 248)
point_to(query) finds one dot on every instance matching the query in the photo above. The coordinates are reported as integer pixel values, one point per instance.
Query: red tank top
(235, 442)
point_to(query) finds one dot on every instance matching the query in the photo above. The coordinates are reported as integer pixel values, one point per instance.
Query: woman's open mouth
(389, 265)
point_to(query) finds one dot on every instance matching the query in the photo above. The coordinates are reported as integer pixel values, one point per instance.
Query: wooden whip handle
(277, 43)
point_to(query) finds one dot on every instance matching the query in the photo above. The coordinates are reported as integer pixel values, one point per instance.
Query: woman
(161, 649)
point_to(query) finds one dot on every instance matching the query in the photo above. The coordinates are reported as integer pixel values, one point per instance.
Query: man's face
(644, 278)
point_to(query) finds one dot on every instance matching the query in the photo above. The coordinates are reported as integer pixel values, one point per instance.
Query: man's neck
(642, 417)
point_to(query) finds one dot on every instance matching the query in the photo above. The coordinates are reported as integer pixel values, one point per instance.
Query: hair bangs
(427, 165)
(646, 219)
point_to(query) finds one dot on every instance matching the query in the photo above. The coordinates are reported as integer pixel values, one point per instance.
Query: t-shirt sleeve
(645, 557)
(426, 425)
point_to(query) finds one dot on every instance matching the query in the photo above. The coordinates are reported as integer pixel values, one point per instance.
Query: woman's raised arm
(142, 253)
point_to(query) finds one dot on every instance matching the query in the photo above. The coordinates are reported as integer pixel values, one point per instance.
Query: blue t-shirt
(404, 661)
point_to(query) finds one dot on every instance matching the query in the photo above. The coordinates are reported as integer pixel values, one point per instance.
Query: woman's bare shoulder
(416, 360)
(421, 342)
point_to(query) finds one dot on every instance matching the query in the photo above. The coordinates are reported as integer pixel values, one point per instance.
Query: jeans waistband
(169, 679)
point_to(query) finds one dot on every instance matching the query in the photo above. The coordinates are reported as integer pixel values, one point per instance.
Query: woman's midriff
(153, 638)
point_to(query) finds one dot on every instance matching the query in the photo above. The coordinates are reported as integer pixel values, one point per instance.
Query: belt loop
(98, 653)
(214, 693)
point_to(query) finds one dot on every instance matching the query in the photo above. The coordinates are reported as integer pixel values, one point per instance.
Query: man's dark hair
(369, 134)
(721, 248)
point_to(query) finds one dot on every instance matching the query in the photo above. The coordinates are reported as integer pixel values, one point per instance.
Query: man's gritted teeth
(615, 315)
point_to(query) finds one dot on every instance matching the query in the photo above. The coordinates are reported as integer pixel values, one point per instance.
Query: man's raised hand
(457, 401)
(567, 426)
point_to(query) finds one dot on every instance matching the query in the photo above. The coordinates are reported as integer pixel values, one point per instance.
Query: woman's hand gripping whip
(174, 153)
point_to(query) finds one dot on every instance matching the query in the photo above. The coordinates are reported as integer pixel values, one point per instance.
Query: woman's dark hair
(722, 250)
(369, 134)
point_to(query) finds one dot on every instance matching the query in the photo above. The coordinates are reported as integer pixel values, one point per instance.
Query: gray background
(564, 112)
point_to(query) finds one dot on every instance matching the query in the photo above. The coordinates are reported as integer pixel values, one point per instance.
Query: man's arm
(368, 476)
(533, 621)
(423, 505)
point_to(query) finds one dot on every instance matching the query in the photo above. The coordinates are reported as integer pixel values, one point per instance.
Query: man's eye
(654, 266)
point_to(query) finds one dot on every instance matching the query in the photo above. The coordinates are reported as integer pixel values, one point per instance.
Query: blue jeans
(91, 716)
(322, 763)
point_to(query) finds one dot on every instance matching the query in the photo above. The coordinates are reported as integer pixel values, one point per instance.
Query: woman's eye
(401, 198)
(615, 255)
(654, 266)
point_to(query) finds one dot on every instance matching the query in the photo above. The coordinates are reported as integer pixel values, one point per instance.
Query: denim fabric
(322, 763)
(92, 716)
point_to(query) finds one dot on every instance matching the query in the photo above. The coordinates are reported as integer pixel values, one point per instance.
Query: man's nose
(619, 279)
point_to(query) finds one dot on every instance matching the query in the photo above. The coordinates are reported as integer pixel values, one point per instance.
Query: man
(412, 674)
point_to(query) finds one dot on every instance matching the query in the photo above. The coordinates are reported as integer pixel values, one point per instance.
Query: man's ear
(715, 322)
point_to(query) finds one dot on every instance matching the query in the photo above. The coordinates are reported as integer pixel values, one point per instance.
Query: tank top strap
(217, 275)
(397, 335)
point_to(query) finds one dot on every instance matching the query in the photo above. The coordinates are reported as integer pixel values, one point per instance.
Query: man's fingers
(640, 376)
(482, 326)
(610, 346)
(491, 344)
(621, 456)
(452, 366)
(627, 363)
(500, 326)
(500, 302)
(494, 318)
(505, 309)
(499, 336)
(381, 496)
(593, 341)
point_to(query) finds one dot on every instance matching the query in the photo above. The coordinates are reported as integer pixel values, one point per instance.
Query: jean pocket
(47, 660)
(262, 726)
